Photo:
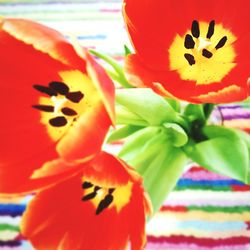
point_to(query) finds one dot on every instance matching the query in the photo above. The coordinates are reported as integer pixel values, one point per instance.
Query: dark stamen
(69, 111)
(221, 43)
(45, 108)
(59, 121)
(190, 59)
(86, 185)
(195, 29)
(45, 90)
(210, 31)
(97, 188)
(75, 96)
(59, 87)
(111, 190)
(104, 203)
(207, 53)
(189, 42)
(89, 196)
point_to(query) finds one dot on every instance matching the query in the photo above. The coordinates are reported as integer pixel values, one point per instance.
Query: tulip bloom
(57, 105)
(102, 206)
(190, 50)
(56, 101)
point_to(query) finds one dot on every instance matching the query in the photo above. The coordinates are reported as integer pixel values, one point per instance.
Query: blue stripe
(12, 209)
(213, 225)
(190, 182)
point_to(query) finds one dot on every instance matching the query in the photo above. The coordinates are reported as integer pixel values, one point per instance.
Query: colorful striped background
(205, 211)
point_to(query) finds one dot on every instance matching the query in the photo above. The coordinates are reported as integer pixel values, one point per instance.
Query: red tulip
(101, 207)
(191, 50)
(56, 101)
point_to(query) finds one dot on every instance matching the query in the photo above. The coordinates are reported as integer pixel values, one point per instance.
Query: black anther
(89, 196)
(111, 190)
(195, 29)
(58, 121)
(86, 185)
(206, 53)
(45, 90)
(45, 108)
(210, 31)
(221, 43)
(69, 111)
(104, 203)
(75, 96)
(59, 87)
(189, 58)
(189, 42)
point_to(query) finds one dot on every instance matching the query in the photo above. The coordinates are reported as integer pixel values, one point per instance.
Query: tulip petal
(43, 39)
(47, 227)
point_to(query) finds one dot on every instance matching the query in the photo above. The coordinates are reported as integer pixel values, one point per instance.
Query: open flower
(54, 101)
(57, 105)
(101, 207)
(188, 50)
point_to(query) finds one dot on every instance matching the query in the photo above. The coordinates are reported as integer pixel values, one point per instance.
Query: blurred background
(205, 211)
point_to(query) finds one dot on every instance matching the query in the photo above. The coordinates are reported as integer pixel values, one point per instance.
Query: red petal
(103, 84)
(85, 139)
(25, 144)
(57, 218)
(44, 39)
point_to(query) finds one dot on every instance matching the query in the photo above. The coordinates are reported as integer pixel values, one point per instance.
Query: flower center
(62, 102)
(205, 54)
(103, 197)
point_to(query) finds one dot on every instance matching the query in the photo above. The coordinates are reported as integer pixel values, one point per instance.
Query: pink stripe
(181, 246)
(205, 242)
(204, 175)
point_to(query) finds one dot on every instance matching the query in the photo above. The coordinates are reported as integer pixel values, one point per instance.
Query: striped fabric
(205, 211)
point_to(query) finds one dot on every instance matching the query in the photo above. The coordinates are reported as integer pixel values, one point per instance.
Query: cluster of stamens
(105, 202)
(194, 40)
(54, 90)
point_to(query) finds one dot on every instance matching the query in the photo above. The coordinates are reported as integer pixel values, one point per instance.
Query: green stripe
(9, 227)
(236, 209)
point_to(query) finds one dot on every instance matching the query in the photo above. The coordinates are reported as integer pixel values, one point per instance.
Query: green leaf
(245, 137)
(147, 152)
(162, 174)
(224, 152)
(176, 105)
(147, 104)
(119, 76)
(135, 142)
(125, 116)
(195, 112)
(208, 109)
(127, 51)
(176, 134)
(122, 132)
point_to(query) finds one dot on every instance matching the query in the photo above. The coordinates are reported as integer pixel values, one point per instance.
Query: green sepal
(122, 132)
(175, 134)
(135, 142)
(162, 173)
(118, 74)
(147, 104)
(125, 116)
(224, 152)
